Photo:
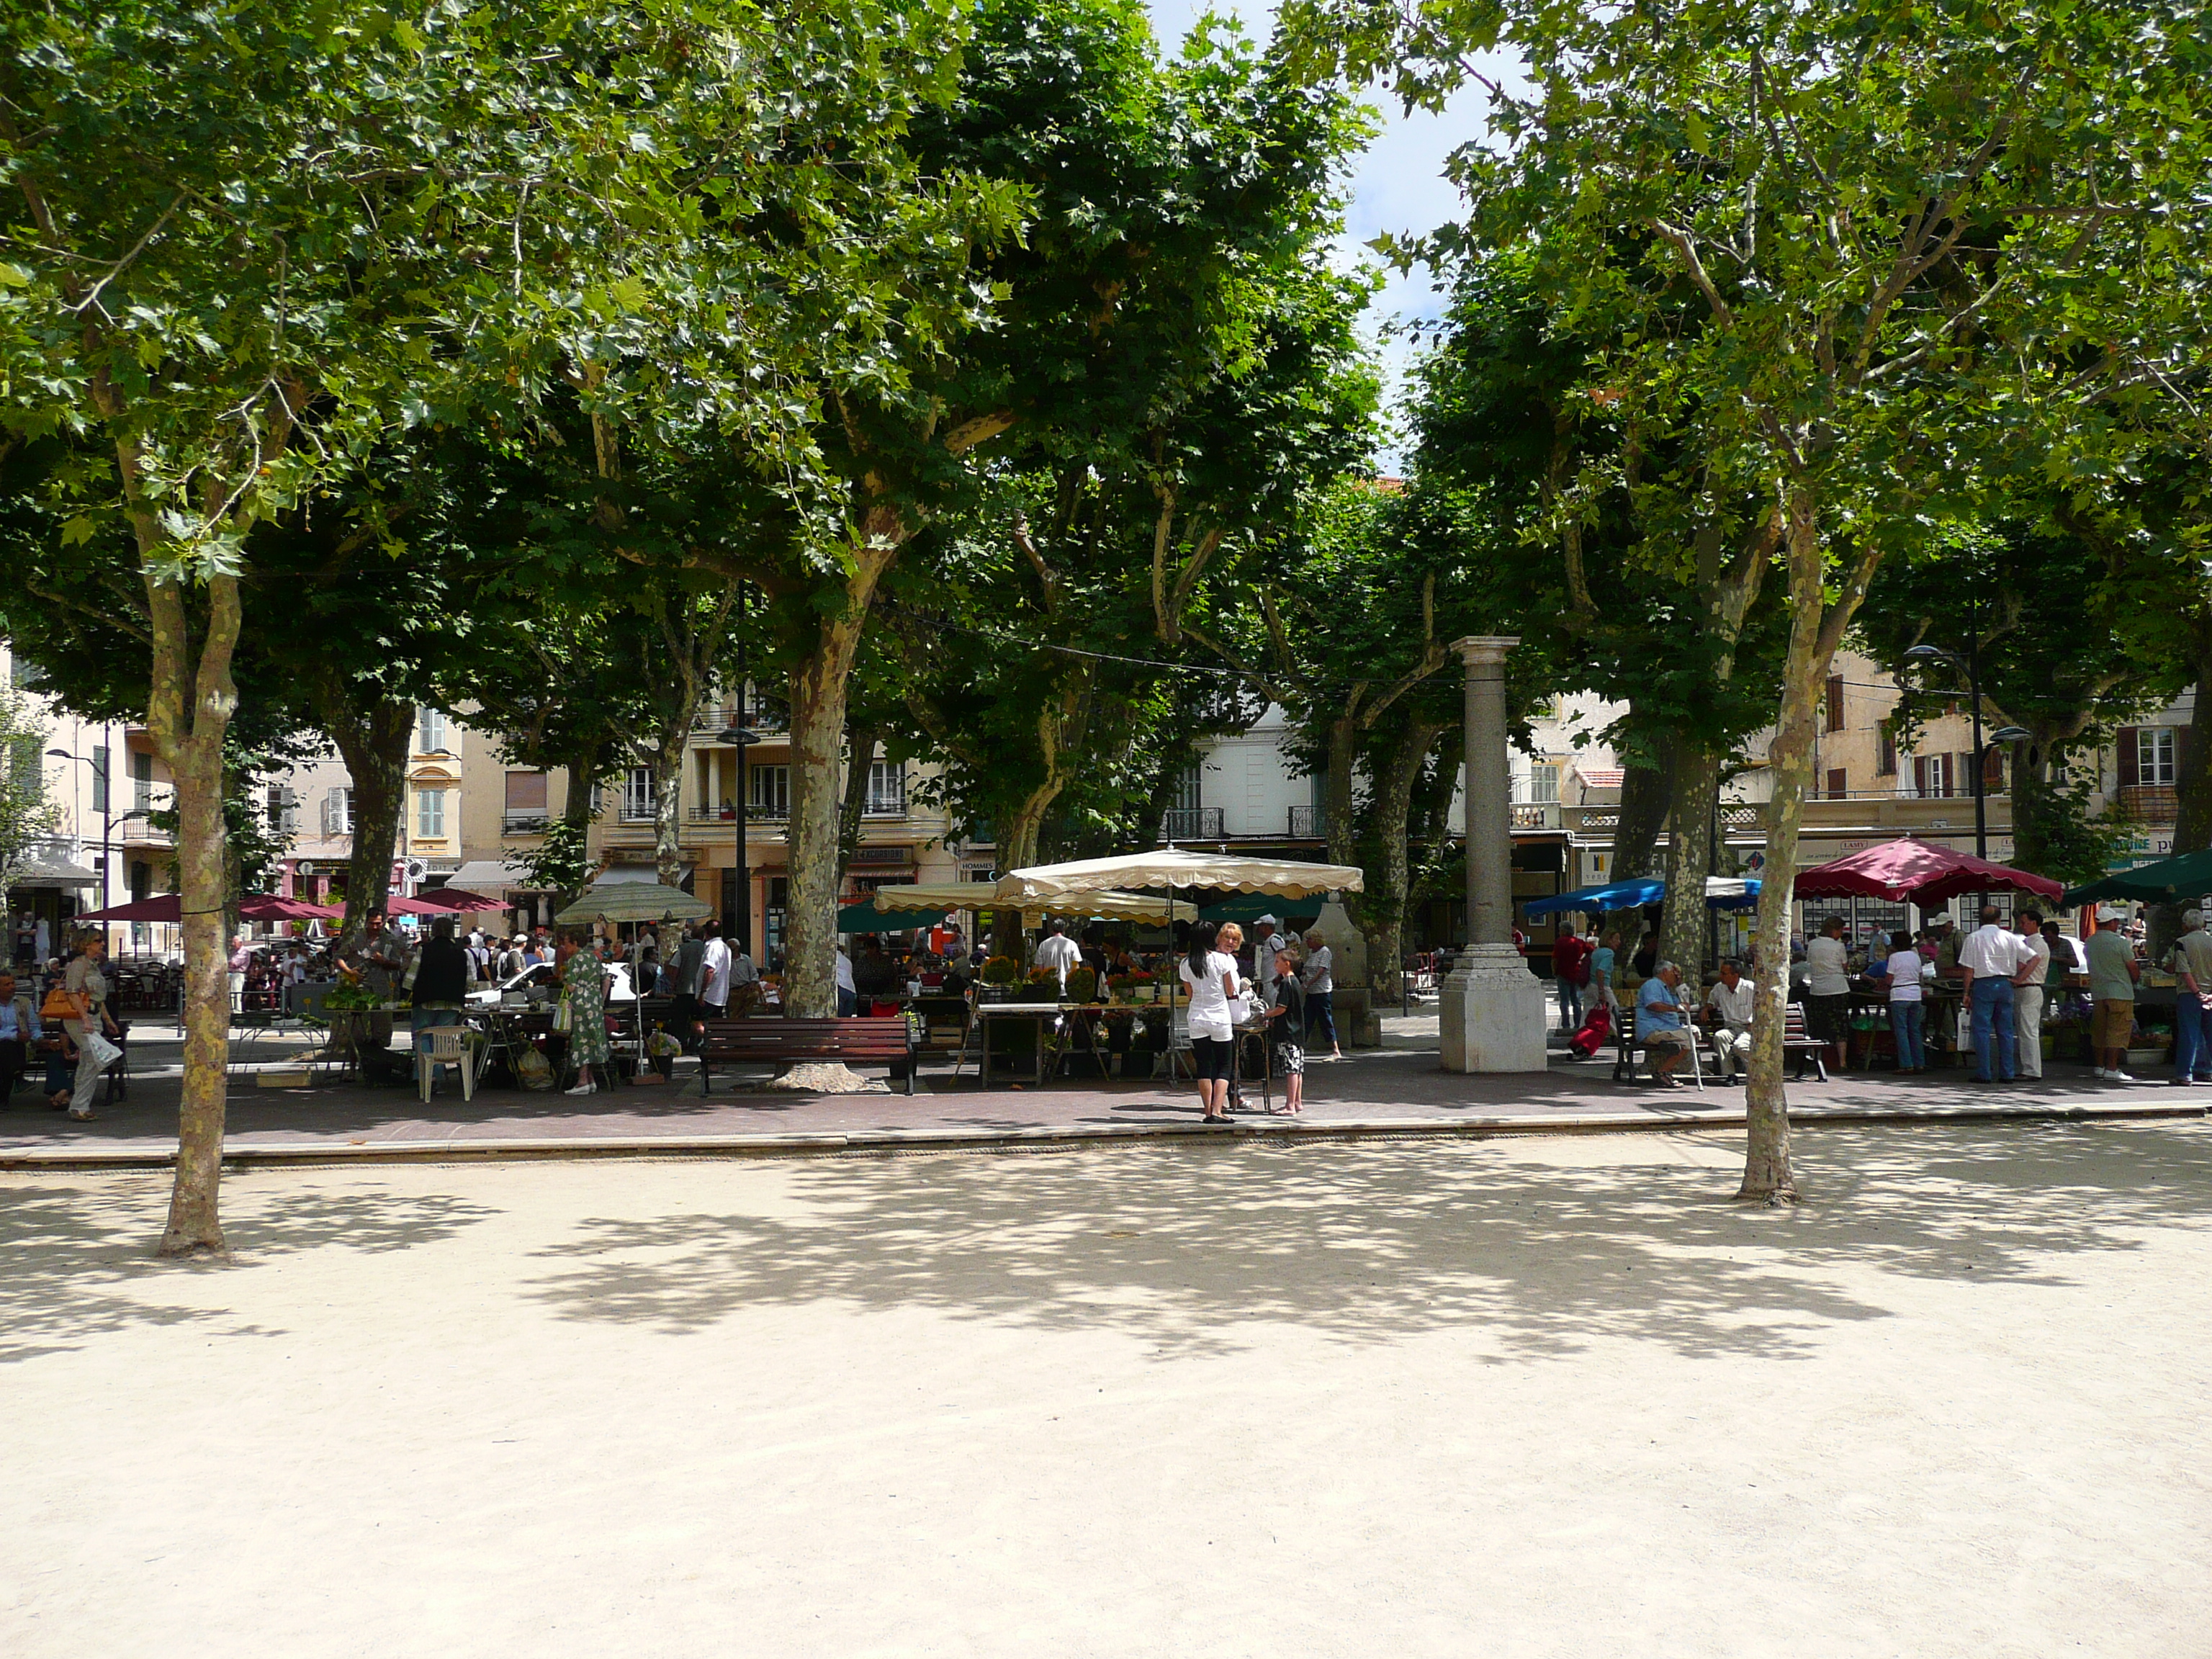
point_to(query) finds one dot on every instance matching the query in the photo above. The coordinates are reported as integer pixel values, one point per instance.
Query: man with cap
(2191, 962)
(2113, 975)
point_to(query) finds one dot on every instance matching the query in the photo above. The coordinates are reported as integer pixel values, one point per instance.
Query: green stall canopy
(865, 918)
(1246, 908)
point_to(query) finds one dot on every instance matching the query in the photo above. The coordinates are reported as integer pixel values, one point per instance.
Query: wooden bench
(1797, 1047)
(872, 1042)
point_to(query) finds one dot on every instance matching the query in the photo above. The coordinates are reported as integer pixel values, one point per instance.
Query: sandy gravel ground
(1549, 1397)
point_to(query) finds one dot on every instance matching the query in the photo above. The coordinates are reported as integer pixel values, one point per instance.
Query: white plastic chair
(450, 1045)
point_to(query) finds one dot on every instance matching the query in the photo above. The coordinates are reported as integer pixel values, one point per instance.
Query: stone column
(1494, 1017)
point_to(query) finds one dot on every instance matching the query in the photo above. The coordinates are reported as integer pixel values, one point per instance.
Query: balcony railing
(513, 822)
(1308, 822)
(1192, 823)
(756, 813)
(635, 812)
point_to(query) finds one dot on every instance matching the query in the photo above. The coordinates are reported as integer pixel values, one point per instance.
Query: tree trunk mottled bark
(1815, 628)
(666, 762)
(1683, 929)
(2192, 781)
(860, 742)
(188, 716)
(1380, 911)
(818, 683)
(373, 743)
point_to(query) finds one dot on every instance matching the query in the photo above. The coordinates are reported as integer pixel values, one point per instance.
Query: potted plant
(1082, 985)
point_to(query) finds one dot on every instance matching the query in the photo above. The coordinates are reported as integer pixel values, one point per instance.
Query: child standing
(1290, 1007)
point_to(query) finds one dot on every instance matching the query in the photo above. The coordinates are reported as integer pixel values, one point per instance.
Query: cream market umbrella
(1172, 867)
(634, 900)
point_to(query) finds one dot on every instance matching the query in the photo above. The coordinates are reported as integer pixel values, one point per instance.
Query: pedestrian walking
(1209, 979)
(2113, 975)
(714, 972)
(1604, 965)
(1991, 959)
(1057, 952)
(2029, 995)
(1318, 977)
(1570, 969)
(2191, 962)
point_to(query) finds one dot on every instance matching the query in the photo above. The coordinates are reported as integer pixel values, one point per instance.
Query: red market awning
(254, 907)
(457, 900)
(1922, 872)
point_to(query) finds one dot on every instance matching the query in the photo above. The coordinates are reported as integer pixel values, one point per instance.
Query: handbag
(564, 1016)
(59, 1005)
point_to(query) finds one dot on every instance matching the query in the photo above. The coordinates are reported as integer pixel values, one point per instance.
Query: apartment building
(504, 811)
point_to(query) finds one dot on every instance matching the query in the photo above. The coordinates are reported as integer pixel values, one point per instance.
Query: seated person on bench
(1730, 1002)
(1659, 1025)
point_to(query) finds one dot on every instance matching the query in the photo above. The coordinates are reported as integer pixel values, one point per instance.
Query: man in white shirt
(1057, 951)
(2028, 995)
(1318, 977)
(1731, 999)
(1828, 988)
(1991, 959)
(714, 974)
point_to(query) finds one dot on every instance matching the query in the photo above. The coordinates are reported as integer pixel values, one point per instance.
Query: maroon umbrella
(455, 899)
(1917, 872)
(170, 907)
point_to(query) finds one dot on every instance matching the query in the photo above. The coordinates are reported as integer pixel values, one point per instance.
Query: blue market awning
(1722, 893)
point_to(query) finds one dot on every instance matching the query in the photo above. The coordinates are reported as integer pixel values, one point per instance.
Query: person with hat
(2113, 975)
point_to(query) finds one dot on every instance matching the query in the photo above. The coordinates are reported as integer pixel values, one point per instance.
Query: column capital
(1485, 647)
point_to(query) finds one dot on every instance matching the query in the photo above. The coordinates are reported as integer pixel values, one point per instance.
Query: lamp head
(2011, 734)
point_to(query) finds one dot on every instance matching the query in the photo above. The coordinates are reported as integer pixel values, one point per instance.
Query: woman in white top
(1210, 980)
(1906, 1009)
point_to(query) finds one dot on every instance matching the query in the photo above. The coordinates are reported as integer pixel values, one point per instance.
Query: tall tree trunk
(1647, 797)
(1682, 930)
(861, 741)
(373, 741)
(1380, 910)
(188, 715)
(2192, 782)
(818, 683)
(1816, 627)
(666, 762)
(580, 807)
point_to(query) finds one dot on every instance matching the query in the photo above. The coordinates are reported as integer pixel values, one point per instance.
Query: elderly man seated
(1729, 1002)
(1659, 1023)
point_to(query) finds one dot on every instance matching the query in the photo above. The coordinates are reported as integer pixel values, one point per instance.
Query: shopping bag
(104, 1052)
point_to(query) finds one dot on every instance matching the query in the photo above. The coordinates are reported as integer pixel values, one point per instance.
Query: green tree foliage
(1891, 216)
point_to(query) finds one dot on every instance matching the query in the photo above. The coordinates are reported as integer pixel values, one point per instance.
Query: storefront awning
(53, 873)
(488, 876)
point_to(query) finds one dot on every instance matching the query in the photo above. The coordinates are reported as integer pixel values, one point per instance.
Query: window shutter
(1835, 702)
(1838, 783)
(2127, 752)
(1887, 764)
(1962, 774)
(329, 814)
(1993, 765)
(1920, 776)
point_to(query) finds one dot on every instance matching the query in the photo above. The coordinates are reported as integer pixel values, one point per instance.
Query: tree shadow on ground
(1182, 1247)
(80, 1267)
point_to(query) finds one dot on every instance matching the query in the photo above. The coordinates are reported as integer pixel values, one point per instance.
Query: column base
(1495, 1017)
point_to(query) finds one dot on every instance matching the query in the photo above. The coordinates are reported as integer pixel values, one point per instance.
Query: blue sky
(1398, 185)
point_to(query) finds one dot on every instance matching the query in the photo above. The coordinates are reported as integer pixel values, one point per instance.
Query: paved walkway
(1401, 1087)
(1534, 1398)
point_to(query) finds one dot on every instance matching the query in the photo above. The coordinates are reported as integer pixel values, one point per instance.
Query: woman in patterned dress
(583, 982)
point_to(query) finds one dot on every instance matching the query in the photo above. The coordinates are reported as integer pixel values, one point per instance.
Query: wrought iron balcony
(1192, 823)
(1308, 822)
